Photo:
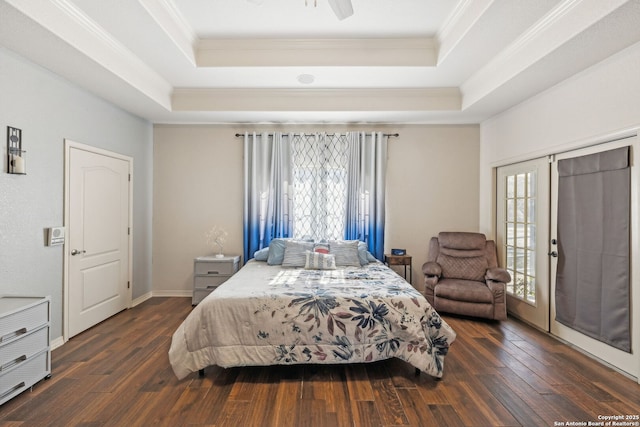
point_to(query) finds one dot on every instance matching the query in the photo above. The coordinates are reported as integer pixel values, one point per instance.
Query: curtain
(267, 191)
(314, 186)
(593, 278)
(365, 211)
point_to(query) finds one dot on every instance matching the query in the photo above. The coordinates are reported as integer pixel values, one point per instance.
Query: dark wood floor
(496, 374)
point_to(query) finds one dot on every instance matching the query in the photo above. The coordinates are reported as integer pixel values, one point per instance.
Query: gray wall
(49, 109)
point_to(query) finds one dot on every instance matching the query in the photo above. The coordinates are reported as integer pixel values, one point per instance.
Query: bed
(272, 313)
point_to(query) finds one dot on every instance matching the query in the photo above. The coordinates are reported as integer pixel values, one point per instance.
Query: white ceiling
(393, 61)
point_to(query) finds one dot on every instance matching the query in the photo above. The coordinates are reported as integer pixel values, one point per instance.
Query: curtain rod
(329, 134)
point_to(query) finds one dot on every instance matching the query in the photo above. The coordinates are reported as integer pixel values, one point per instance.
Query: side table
(404, 260)
(209, 272)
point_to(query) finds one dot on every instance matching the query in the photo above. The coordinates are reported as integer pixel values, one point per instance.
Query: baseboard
(58, 342)
(149, 295)
(188, 293)
(141, 299)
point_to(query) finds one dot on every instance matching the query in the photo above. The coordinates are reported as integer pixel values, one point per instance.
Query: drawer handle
(212, 286)
(213, 272)
(14, 388)
(13, 362)
(19, 332)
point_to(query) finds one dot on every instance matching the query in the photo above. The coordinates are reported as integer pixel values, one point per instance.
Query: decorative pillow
(261, 254)
(319, 261)
(295, 253)
(322, 248)
(276, 251)
(362, 253)
(346, 252)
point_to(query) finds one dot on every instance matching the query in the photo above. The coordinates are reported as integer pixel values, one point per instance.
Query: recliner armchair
(462, 276)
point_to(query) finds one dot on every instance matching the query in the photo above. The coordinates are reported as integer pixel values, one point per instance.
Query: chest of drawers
(209, 272)
(25, 352)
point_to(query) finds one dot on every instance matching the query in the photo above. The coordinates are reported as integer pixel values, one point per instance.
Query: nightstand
(25, 353)
(209, 272)
(404, 260)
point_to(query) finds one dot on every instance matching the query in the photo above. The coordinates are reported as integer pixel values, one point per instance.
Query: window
(520, 232)
(320, 186)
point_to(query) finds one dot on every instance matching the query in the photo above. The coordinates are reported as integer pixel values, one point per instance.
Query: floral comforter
(268, 315)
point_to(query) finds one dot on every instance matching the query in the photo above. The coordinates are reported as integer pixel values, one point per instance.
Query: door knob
(553, 254)
(76, 252)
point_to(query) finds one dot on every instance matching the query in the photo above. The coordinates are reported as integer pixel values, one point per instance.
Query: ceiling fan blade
(342, 8)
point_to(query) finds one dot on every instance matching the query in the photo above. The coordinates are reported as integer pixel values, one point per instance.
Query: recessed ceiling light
(306, 79)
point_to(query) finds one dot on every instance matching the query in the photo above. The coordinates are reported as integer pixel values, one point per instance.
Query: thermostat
(55, 236)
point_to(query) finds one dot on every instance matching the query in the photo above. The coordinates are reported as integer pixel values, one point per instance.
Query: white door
(627, 362)
(522, 217)
(97, 250)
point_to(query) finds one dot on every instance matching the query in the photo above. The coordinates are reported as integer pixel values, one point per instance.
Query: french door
(627, 362)
(522, 238)
(526, 224)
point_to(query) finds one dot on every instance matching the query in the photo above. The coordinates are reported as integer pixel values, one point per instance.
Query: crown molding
(557, 28)
(466, 14)
(419, 52)
(67, 22)
(223, 99)
(172, 22)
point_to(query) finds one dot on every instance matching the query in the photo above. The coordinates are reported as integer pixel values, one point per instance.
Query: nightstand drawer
(16, 351)
(199, 295)
(24, 375)
(18, 323)
(209, 272)
(209, 282)
(227, 267)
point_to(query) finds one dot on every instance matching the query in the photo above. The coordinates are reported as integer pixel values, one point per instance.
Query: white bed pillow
(319, 261)
(295, 253)
(346, 252)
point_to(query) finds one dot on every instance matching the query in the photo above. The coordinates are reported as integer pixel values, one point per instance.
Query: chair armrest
(498, 289)
(431, 268)
(498, 275)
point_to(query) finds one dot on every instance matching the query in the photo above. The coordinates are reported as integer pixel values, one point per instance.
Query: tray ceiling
(293, 61)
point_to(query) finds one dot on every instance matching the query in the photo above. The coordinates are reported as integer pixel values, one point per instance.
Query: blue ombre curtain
(269, 198)
(365, 212)
(267, 190)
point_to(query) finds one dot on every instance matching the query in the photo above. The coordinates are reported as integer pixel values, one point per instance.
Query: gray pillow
(295, 253)
(346, 252)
